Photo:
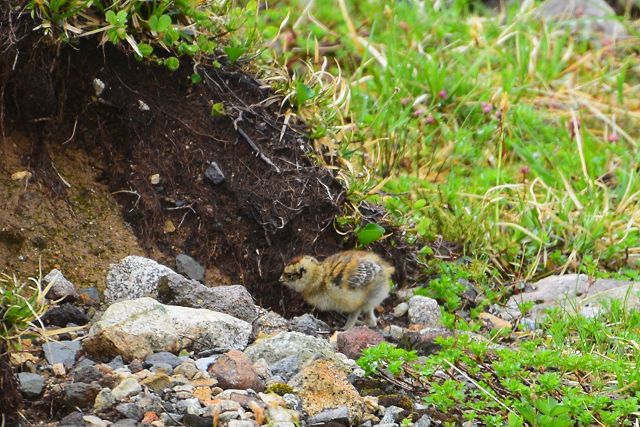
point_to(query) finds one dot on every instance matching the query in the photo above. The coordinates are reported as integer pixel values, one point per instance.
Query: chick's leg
(351, 321)
(372, 322)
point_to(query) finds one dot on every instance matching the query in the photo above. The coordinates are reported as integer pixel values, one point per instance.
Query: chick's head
(297, 274)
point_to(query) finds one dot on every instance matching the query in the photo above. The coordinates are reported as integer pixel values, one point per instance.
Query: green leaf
(164, 22)
(196, 78)
(303, 93)
(370, 233)
(153, 24)
(172, 63)
(234, 52)
(217, 109)
(419, 204)
(171, 36)
(515, 420)
(121, 18)
(145, 49)
(110, 16)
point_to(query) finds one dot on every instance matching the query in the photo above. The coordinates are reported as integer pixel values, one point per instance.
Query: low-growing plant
(162, 31)
(21, 304)
(574, 371)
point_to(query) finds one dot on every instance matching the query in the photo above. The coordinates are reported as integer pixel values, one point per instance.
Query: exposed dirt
(274, 204)
(80, 233)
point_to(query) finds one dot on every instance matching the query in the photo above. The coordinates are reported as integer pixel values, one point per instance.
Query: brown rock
(494, 321)
(157, 381)
(352, 342)
(235, 370)
(202, 393)
(149, 417)
(323, 384)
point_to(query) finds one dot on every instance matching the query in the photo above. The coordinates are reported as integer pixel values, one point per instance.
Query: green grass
(464, 120)
(572, 372)
(515, 140)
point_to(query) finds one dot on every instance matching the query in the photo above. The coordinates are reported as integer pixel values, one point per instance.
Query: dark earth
(149, 140)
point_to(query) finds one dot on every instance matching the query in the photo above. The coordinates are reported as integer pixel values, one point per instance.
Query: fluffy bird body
(349, 282)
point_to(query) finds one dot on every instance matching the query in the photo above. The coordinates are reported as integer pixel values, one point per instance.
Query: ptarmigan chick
(349, 282)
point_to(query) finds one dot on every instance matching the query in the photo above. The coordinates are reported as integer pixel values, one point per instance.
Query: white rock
(425, 311)
(585, 18)
(134, 277)
(140, 327)
(127, 387)
(575, 292)
(92, 420)
(295, 347)
(104, 400)
(400, 309)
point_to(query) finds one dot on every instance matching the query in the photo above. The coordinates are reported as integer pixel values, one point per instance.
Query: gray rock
(104, 400)
(191, 420)
(148, 401)
(391, 415)
(189, 267)
(163, 357)
(86, 374)
(295, 347)
(92, 420)
(269, 323)
(229, 415)
(574, 292)
(61, 287)
(214, 174)
(126, 422)
(189, 406)
(117, 362)
(336, 416)
(73, 419)
(203, 363)
(293, 401)
(308, 324)
(89, 296)
(585, 18)
(130, 410)
(80, 395)
(137, 328)
(31, 385)
(127, 387)
(234, 300)
(188, 369)
(64, 352)
(400, 309)
(425, 311)
(171, 419)
(528, 324)
(133, 277)
(63, 314)
(423, 421)
(241, 423)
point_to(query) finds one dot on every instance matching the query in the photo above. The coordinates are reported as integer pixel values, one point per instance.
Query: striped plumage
(349, 282)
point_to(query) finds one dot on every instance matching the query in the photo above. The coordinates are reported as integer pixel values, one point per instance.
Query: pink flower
(524, 170)
(430, 119)
(406, 101)
(443, 94)
(486, 107)
(613, 137)
(420, 111)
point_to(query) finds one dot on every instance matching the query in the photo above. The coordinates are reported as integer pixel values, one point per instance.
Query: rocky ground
(160, 348)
